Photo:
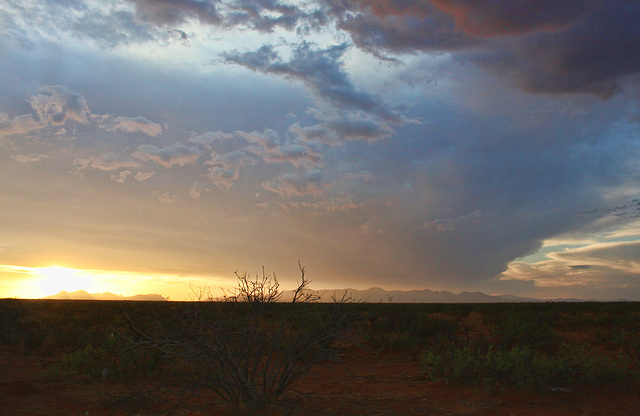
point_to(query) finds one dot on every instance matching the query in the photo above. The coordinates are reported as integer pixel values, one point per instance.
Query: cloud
(223, 178)
(369, 228)
(133, 124)
(581, 267)
(628, 210)
(178, 154)
(174, 12)
(30, 158)
(291, 184)
(260, 15)
(591, 56)
(500, 17)
(548, 47)
(18, 125)
(269, 147)
(108, 162)
(621, 256)
(336, 127)
(143, 176)
(196, 189)
(209, 138)
(108, 25)
(263, 15)
(121, 176)
(611, 265)
(344, 111)
(572, 46)
(166, 197)
(319, 69)
(398, 27)
(224, 168)
(268, 139)
(57, 104)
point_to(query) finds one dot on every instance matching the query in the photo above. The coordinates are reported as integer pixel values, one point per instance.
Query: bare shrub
(248, 348)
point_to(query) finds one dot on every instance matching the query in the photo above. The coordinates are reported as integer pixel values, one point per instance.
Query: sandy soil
(365, 383)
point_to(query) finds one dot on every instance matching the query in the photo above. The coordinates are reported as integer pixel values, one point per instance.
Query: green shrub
(533, 330)
(526, 366)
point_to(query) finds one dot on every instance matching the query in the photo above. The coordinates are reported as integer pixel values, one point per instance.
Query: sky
(154, 146)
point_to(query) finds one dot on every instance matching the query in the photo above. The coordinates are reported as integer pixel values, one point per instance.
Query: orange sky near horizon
(38, 282)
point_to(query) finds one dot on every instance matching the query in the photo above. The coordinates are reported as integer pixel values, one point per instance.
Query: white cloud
(596, 264)
(122, 176)
(133, 124)
(143, 176)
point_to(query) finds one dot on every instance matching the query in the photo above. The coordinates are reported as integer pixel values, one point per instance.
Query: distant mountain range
(377, 295)
(372, 295)
(84, 295)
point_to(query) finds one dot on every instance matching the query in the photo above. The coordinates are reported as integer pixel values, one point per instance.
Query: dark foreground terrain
(99, 358)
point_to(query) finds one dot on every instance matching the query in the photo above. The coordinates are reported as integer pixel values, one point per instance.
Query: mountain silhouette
(84, 295)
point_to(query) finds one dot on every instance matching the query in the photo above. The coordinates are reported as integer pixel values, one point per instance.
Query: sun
(55, 279)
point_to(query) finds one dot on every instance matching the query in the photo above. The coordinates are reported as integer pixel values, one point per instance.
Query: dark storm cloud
(502, 17)
(551, 47)
(593, 55)
(461, 200)
(401, 30)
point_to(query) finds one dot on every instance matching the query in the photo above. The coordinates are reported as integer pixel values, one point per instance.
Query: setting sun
(56, 279)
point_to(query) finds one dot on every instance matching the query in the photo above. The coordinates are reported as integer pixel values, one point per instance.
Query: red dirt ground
(365, 383)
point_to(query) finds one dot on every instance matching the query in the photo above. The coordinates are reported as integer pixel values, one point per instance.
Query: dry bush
(248, 348)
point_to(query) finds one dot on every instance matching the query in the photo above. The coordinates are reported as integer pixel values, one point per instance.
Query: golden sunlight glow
(56, 279)
(37, 282)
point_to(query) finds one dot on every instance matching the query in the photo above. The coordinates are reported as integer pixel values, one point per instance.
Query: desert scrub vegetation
(248, 348)
(400, 327)
(251, 348)
(525, 366)
(535, 346)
